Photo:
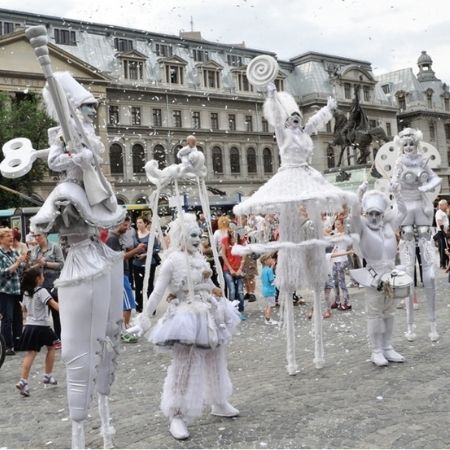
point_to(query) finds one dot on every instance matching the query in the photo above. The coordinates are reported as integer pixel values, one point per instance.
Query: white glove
(331, 104)
(141, 325)
(83, 158)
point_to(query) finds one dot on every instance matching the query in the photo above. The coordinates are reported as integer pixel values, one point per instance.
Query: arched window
(200, 149)
(217, 160)
(267, 160)
(251, 160)
(142, 200)
(138, 155)
(116, 159)
(160, 155)
(235, 163)
(176, 149)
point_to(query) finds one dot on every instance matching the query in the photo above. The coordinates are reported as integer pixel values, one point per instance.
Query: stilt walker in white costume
(296, 185)
(90, 285)
(415, 178)
(378, 245)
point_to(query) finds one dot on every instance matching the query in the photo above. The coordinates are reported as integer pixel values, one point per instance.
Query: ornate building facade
(156, 89)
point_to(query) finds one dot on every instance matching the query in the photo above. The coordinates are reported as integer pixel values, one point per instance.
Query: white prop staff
(297, 193)
(409, 161)
(90, 285)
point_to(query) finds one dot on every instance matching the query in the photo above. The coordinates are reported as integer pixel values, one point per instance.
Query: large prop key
(19, 157)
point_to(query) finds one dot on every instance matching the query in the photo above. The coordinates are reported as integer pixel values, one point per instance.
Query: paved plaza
(350, 403)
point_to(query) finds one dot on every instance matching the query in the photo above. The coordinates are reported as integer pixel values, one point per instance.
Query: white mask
(374, 219)
(409, 147)
(89, 112)
(193, 239)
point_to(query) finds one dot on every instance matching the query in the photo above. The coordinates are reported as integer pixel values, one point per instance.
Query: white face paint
(409, 147)
(294, 121)
(193, 239)
(374, 219)
(89, 111)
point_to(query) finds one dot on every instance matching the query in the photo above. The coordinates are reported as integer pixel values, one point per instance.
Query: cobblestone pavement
(349, 403)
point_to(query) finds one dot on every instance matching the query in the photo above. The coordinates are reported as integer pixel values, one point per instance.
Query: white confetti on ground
(379, 397)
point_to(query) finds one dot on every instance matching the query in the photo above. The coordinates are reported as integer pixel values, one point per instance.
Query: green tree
(23, 116)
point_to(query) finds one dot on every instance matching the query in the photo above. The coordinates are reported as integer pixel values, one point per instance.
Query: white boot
(224, 410)
(409, 333)
(375, 330)
(107, 430)
(178, 428)
(433, 334)
(78, 439)
(388, 351)
(378, 358)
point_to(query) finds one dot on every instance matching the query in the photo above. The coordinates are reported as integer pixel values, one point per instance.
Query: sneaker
(23, 388)
(49, 379)
(10, 352)
(251, 298)
(270, 322)
(128, 338)
(344, 307)
(246, 296)
(242, 316)
(57, 345)
(335, 305)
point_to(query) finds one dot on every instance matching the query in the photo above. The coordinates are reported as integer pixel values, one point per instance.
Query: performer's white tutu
(200, 322)
(298, 184)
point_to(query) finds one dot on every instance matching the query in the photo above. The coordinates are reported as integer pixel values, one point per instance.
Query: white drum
(397, 284)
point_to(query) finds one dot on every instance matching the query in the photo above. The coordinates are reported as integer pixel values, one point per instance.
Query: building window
(251, 160)
(447, 131)
(243, 84)
(265, 126)
(447, 104)
(401, 102)
(432, 132)
(448, 156)
(366, 93)
(388, 129)
(157, 118)
(174, 74)
(8, 27)
(199, 55)
(138, 155)
(133, 70)
(430, 100)
(331, 159)
(235, 161)
(123, 45)
(65, 37)
(386, 88)
(160, 155)
(196, 124)
(113, 115)
(328, 127)
(135, 115)
(279, 83)
(176, 149)
(163, 50)
(214, 121)
(232, 122)
(249, 123)
(116, 159)
(267, 160)
(234, 60)
(347, 90)
(211, 79)
(177, 119)
(372, 123)
(217, 160)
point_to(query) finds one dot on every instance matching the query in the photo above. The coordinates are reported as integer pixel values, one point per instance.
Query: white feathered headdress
(375, 200)
(179, 229)
(279, 107)
(74, 91)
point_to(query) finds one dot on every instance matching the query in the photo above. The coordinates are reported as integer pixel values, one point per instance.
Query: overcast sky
(389, 34)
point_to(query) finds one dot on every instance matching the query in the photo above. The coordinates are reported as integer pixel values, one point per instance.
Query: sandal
(344, 307)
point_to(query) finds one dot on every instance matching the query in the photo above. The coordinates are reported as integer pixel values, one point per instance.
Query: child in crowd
(268, 289)
(37, 331)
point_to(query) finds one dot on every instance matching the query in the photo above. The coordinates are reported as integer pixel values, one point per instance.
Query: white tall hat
(74, 91)
(375, 201)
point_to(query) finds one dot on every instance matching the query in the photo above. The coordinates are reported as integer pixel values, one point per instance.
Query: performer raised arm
(197, 326)
(378, 246)
(415, 178)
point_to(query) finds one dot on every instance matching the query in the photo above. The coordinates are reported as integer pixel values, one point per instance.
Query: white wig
(375, 200)
(74, 91)
(409, 133)
(179, 229)
(278, 108)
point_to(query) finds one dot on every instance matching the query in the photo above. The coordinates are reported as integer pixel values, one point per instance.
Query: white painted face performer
(415, 178)
(378, 245)
(197, 327)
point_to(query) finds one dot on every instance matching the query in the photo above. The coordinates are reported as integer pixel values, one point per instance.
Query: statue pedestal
(349, 178)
